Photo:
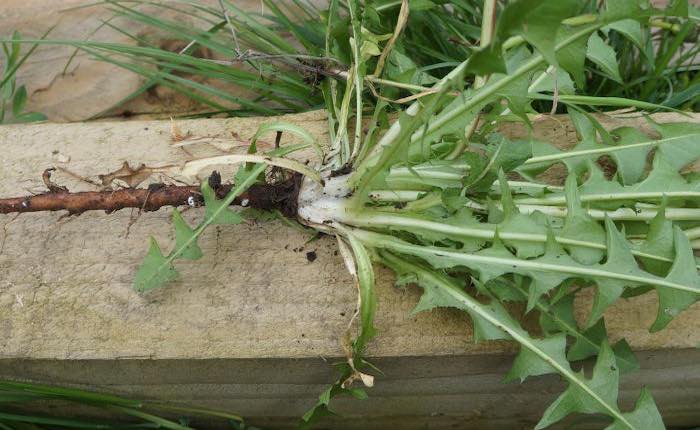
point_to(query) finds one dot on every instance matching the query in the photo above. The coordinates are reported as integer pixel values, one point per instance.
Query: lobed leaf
(537, 356)
(155, 271)
(603, 55)
(680, 288)
(677, 144)
(184, 238)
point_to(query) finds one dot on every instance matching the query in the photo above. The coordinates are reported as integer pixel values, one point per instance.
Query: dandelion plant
(417, 178)
(451, 205)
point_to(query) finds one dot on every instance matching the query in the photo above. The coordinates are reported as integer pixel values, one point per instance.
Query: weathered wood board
(252, 327)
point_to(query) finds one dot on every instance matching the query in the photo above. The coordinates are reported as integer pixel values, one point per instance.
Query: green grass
(18, 401)
(281, 58)
(13, 97)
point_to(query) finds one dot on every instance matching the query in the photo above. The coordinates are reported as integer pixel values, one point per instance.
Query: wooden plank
(249, 326)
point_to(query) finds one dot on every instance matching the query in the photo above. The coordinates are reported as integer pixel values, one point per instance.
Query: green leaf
(681, 147)
(677, 8)
(417, 5)
(487, 60)
(368, 298)
(536, 21)
(620, 262)
(671, 302)
(659, 241)
(217, 210)
(155, 270)
(618, 9)
(680, 289)
(630, 164)
(572, 57)
(604, 56)
(551, 81)
(588, 345)
(184, 238)
(559, 317)
(677, 144)
(578, 165)
(589, 396)
(631, 29)
(644, 416)
(578, 224)
(29, 117)
(515, 221)
(439, 291)
(597, 395)
(662, 182)
(19, 101)
(528, 363)
(322, 407)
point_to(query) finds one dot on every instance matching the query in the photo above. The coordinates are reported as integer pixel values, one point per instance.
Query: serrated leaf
(573, 56)
(504, 154)
(527, 363)
(631, 29)
(681, 142)
(624, 357)
(217, 210)
(620, 262)
(578, 224)
(630, 164)
(577, 165)
(588, 345)
(644, 416)
(155, 270)
(603, 55)
(680, 289)
(536, 21)
(557, 317)
(516, 91)
(677, 144)
(487, 60)
(185, 238)
(683, 270)
(595, 395)
(515, 221)
(662, 182)
(659, 241)
(440, 292)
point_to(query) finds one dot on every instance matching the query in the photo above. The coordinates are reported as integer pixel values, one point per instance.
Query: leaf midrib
(393, 221)
(476, 307)
(225, 203)
(605, 149)
(428, 251)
